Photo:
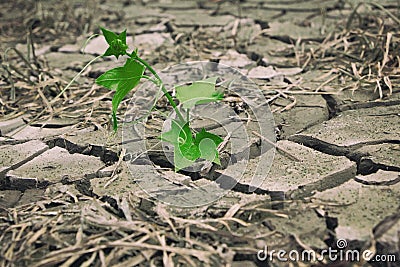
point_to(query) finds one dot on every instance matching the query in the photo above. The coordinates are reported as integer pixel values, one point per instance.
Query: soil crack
(365, 165)
(106, 155)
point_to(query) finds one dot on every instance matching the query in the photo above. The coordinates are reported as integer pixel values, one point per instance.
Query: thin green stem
(76, 76)
(156, 82)
(169, 97)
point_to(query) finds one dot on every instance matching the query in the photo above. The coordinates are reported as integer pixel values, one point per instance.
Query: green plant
(188, 145)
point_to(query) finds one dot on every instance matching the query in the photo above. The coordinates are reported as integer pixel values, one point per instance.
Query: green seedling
(189, 146)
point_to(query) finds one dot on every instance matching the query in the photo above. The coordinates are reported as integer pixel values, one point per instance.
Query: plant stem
(169, 97)
(73, 80)
(156, 82)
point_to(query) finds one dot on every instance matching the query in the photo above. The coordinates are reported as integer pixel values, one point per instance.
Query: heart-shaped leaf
(123, 80)
(188, 149)
(117, 43)
(199, 92)
(207, 143)
(179, 134)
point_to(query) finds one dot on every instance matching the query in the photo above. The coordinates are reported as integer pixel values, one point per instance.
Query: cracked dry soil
(329, 71)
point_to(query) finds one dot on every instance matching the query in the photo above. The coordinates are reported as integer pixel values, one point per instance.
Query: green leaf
(120, 77)
(185, 150)
(207, 144)
(208, 151)
(122, 36)
(178, 135)
(117, 43)
(185, 155)
(199, 92)
(123, 80)
(108, 35)
(203, 134)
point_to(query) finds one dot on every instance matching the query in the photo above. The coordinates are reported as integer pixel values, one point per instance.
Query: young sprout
(188, 145)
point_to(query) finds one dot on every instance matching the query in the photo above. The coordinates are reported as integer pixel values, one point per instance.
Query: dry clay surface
(335, 173)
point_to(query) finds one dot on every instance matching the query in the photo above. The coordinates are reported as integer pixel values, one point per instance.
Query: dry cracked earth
(330, 72)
